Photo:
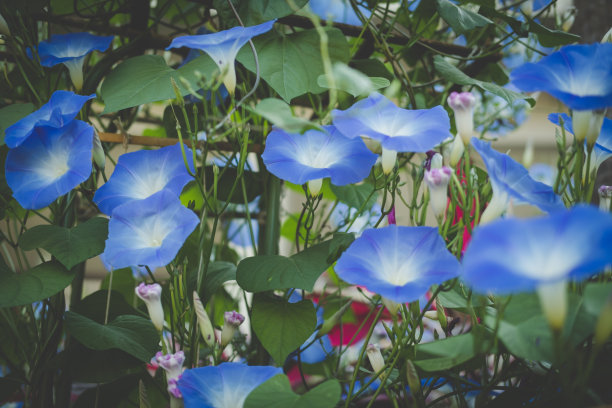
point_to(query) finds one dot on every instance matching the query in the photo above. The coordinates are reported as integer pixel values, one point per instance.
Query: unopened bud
(206, 328)
(232, 321)
(413, 377)
(605, 198)
(603, 328)
(607, 37)
(171, 363)
(314, 187)
(98, 152)
(587, 125)
(376, 358)
(441, 315)
(463, 105)
(391, 217)
(4, 28)
(177, 93)
(437, 182)
(151, 296)
(457, 148)
(389, 157)
(334, 319)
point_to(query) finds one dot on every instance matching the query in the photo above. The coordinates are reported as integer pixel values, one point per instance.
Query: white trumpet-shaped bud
(437, 182)
(233, 320)
(587, 125)
(553, 299)
(462, 103)
(206, 327)
(457, 148)
(151, 296)
(314, 187)
(389, 157)
(376, 358)
(605, 197)
(171, 363)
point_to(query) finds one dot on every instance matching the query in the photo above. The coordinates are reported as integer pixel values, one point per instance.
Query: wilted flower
(148, 232)
(233, 320)
(509, 179)
(223, 47)
(62, 107)
(316, 155)
(463, 105)
(398, 263)
(151, 296)
(49, 163)
(70, 50)
(140, 174)
(398, 130)
(437, 182)
(539, 254)
(171, 363)
(224, 386)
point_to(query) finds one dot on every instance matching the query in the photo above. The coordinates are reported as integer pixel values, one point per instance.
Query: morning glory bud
(553, 299)
(98, 152)
(457, 149)
(587, 125)
(171, 363)
(151, 295)
(4, 28)
(233, 320)
(607, 37)
(603, 328)
(436, 161)
(437, 182)
(376, 358)
(605, 197)
(206, 327)
(463, 105)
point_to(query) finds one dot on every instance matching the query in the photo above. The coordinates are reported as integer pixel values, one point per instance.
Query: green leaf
(38, 283)
(257, 11)
(455, 75)
(279, 113)
(291, 64)
(69, 245)
(218, 273)
(447, 353)
(133, 334)
(94, 306)
(352, 81)
(277, 393)
(355, 195)
(281, 326)
(551, 38)
(147, 78)
(123, 283)
(10, 114)
(459, 18)
(268, 272)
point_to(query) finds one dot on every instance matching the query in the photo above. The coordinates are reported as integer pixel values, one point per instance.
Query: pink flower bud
(437, 181)
(151, 295)
(463, 105)
(172, 363)
(233, 319)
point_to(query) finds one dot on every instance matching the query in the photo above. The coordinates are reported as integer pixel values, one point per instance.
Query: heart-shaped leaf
(281, 326)
(133, 334)
(277, 393)
(69, 245)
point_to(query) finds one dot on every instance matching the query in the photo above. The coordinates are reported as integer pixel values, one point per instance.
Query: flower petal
(64, 47)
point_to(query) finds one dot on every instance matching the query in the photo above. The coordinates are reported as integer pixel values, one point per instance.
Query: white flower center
(54, 166)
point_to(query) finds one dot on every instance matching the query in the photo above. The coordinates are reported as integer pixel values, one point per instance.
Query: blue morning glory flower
(62, 107)
(49, 163)
(70, 50)
(224, 386)
(223, 47)
(315, 155)
(140, 174)
(397, 129)
(148, 232)
(580, 76)
(603, 146)
(518, 255)
(399, 263)
(509, 179)
(339, 11)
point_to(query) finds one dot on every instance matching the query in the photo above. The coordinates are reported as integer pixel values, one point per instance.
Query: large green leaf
(279, 113)
(147, 78)
(352, 81)
(257, 11)
(281, 326)
(133, 334)
(459, 18)
(277, 393)
(38, 283)
(268, 272)
(355, 195)
(291, 64)
(11, 114)
(455, 75)
(69, 245)
(447, 353)
(552, 38)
